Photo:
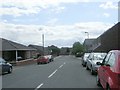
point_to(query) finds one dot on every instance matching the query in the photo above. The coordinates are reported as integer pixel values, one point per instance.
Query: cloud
(25, 7)
(52, 21)
(17, 11)
(109, 5)
(58, 9)
(32, 34)
(91, 26)
(106, 14)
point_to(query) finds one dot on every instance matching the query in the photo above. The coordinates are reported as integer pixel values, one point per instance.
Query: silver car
(85, 56)
(92, 59)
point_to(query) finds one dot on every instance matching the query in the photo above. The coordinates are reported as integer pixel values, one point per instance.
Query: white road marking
(52, 73)
(61, 66)
(49, 76)
(39, 86)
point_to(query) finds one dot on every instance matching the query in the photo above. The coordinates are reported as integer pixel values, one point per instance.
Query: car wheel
(83, 64)
(10, 70)
(92, 72)
(87, 67)
(98, 81)
(108, 87)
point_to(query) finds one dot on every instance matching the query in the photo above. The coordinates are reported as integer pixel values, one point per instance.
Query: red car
(109, 71)
(42, 59)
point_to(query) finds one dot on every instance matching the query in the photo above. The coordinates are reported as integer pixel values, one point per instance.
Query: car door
(89, 61)
(5, 66)
(102, 69)
(108, 76)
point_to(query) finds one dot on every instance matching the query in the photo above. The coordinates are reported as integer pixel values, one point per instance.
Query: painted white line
(39, 86)
(52, 73)
(61, 66)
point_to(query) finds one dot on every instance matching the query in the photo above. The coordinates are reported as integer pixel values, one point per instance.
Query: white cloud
(52, 21)
(20, 7)
(109, 5)
(106, 14)
(31, 34)
(91, 26)
(58, 9)
(18, 12)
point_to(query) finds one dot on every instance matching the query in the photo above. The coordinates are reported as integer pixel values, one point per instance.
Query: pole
(87, 34)
(43, 43)
(16, 55)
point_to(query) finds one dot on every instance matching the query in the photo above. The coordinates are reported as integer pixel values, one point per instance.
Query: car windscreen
(99, 56)
(2, 60)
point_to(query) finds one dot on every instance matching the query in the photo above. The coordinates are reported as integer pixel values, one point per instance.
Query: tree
(54, 50)
(77, 48)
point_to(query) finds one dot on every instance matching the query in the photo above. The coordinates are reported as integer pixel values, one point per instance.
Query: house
(12, 51)
(88, 45)
(65, 51)
(40, 50)
(109, 40)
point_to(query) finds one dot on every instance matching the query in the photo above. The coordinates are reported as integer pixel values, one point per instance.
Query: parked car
(78, 54)
(109, 71)
(92, 59)
(5, 66)
(85, 56)
(42, 59)
(19, 58)
(50, 57)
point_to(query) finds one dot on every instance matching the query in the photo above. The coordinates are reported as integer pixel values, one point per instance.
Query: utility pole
(43, 43)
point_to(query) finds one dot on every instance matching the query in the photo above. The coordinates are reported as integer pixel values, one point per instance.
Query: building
(109, 40)
(12, 51)
(40, 50)
(88, 45)
(65, 51)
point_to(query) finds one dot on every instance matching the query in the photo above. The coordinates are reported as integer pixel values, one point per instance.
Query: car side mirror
(108, 65)
(98, 63)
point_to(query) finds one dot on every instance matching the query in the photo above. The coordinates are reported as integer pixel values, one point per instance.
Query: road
(63, 72)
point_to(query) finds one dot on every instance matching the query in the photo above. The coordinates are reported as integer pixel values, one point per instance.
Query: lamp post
(43, 43)
(87, 34)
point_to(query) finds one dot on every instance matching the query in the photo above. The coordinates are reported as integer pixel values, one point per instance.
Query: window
(107, 58)
(111, 60)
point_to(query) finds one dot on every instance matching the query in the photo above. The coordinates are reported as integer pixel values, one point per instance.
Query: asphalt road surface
(63, 72)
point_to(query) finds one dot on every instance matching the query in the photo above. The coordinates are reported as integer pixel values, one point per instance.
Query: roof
(109, 40)
(39, 48)
(8, 45)
(88, 41)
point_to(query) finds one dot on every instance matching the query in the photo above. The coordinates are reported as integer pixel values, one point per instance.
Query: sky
(62, 22)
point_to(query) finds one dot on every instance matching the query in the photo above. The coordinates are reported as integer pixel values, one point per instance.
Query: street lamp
(42, 40)
(43, 43)
(87, 34)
